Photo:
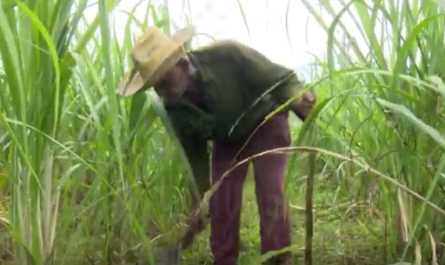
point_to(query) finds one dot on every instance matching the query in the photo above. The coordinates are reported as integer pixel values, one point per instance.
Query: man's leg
(269, 179)
(225, 204)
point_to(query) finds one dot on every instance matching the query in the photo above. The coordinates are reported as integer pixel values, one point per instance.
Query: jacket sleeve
(263, 74)
(197, 154)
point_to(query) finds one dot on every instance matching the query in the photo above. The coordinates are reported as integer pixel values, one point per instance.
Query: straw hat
(153, 55)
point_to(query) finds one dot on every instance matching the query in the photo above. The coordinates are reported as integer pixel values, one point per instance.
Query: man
(211, 94)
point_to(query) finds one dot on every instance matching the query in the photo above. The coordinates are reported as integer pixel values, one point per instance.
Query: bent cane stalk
(284, 150)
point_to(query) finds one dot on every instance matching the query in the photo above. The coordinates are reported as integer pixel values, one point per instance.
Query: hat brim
(132, 81)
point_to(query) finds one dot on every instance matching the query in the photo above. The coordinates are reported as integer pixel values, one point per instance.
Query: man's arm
(198, 157)
(261, 73)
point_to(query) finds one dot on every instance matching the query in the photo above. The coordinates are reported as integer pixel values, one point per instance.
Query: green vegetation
(87, 177)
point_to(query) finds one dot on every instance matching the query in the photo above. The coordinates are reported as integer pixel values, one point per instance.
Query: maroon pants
(225, 204)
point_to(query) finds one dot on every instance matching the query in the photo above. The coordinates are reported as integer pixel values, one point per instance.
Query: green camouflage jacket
(231, 77)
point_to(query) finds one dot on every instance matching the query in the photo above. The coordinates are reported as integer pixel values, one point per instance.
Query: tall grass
(72, 151)
(388, 108)
(87, 176)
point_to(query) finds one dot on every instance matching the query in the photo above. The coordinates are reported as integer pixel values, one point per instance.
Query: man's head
(159, 61)
(172, 85)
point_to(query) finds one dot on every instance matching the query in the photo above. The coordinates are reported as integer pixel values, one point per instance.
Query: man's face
(174, 83)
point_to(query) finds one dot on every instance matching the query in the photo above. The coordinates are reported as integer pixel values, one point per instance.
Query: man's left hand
(303, 106)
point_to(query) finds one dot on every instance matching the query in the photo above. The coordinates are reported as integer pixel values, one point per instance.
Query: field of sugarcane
(88, 177)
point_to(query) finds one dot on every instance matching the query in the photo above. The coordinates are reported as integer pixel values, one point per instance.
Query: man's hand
(196, 225)
(303, 106)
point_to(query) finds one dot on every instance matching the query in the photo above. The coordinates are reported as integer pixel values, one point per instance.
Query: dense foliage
(86, 175)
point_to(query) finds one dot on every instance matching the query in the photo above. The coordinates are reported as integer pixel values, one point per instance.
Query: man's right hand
(197, 225)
